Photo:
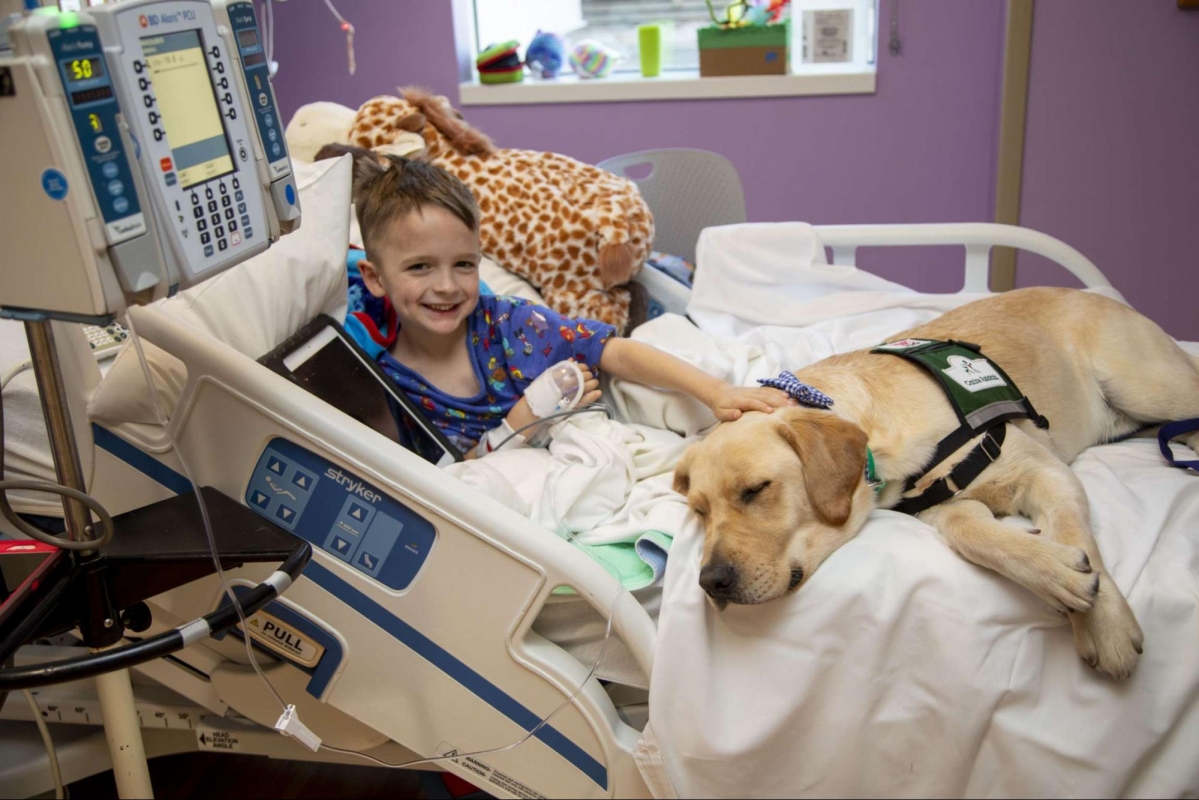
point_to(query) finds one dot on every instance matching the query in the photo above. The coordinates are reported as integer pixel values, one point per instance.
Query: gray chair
(687, 190)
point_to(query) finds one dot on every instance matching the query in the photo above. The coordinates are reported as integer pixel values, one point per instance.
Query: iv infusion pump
(142, 154)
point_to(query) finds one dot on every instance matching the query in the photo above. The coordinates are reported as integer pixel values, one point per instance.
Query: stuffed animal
(545, 54)
(319, 124)
(574, 231)
(315, 125)
(590, 59)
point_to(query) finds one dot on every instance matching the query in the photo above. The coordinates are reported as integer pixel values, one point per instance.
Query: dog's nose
(717, 579)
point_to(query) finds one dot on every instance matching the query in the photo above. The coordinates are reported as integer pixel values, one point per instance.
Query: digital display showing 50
(84, 69)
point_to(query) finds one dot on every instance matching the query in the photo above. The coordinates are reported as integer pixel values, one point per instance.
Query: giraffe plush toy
(572, 230)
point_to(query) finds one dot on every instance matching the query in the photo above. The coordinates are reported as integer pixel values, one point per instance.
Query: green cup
(649, 41)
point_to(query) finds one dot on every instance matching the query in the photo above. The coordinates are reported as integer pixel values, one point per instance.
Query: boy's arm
(642, 363)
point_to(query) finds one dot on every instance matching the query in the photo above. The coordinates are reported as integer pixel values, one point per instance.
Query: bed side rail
(445, 659)
(977, 237)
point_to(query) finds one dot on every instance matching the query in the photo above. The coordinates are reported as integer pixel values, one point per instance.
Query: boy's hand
(591, 390)
(730, 401)
(521, 415)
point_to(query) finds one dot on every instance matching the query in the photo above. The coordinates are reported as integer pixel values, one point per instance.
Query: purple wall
(1111, 160)
(920, 150)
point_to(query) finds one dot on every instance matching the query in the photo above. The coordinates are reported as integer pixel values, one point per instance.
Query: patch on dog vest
(982, 396)
(904, 344)
(980, 392)
(973, 374)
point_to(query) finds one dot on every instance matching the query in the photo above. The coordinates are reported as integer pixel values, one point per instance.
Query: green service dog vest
(983, 397)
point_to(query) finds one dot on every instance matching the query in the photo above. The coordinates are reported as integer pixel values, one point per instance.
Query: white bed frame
(977, 238)
(480, 591)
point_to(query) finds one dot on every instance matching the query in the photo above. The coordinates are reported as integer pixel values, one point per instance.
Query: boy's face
(428, 266)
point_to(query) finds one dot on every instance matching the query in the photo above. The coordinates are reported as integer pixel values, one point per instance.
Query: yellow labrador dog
(778, 493)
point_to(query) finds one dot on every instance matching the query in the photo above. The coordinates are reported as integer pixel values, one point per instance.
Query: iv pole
(102, 625)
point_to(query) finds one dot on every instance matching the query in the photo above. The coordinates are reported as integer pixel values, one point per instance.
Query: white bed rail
(486, 578)
(977, 237)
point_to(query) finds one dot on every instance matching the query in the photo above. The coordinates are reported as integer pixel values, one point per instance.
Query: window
(832, 47)
(826, 34)
(614, 22)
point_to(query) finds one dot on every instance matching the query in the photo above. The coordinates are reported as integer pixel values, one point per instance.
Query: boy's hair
(387, 187)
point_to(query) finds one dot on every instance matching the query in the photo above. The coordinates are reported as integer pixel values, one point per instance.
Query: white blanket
(900, 669)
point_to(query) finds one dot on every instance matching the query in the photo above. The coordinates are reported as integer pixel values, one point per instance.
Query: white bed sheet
(900, 669)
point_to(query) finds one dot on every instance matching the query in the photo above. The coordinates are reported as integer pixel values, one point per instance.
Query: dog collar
(811, 396)
(871, 477)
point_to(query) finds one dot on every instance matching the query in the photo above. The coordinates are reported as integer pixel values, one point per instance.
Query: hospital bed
(430, 627)
(467, 647)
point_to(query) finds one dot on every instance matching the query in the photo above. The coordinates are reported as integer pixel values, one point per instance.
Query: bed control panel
(340, 513)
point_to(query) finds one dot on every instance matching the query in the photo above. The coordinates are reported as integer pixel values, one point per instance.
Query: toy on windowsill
(745, 41)
(590, 59)
(749, 13)
(500, 63)
(545, 55)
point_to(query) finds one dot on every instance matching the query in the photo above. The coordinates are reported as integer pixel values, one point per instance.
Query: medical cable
(13, 372)
(146, 649)
(269, 34)
(590, 408)
(562, 529)
(59, 790)
(163, 644)
(532, 732)
(36, 532)
(349, 31)
(216, 560)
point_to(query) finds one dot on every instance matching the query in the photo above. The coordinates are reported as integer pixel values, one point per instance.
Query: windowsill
(680, 85)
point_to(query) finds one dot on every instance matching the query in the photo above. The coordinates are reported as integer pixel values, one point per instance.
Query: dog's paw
(1062, 577)
(1108, 637)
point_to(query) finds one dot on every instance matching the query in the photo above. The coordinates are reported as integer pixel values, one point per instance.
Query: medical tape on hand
(546, 395)
(495, 437)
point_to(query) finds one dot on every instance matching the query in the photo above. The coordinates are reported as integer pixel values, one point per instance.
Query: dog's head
(777, 493)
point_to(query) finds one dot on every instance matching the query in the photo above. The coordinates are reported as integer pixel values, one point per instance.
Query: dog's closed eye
(750, 494)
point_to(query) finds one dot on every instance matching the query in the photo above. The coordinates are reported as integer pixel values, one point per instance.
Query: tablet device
(326, 361)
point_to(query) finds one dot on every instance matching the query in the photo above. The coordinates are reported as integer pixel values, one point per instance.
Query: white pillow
(253, 306)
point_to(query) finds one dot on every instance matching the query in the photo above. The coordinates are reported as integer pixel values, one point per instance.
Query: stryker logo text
(355, 486)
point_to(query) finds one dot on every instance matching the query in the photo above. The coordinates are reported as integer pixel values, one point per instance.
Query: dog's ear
(682, 471)
(833, 452)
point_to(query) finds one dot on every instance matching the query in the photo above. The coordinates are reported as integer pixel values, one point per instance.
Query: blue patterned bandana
(803, 394)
